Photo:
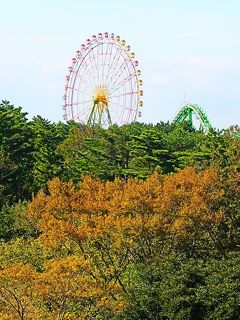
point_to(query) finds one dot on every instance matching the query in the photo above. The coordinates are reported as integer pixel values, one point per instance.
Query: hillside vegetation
(139, 222)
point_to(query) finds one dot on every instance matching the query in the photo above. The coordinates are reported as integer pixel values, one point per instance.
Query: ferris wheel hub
(101, 96)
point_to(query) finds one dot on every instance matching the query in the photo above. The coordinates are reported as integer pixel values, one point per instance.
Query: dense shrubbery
(134, 222)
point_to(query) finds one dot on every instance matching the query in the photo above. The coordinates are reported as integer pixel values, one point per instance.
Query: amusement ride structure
(188, 111)
(103, 86)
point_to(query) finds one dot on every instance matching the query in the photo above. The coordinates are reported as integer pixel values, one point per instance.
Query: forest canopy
(137, 222)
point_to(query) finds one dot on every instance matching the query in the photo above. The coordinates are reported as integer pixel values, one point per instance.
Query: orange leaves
(189, 195)
(99, 230)
(18, 273)
(65, 278)
(109, 226)
(67, 289)
(71, 279)
(93, 208)
(17, 292)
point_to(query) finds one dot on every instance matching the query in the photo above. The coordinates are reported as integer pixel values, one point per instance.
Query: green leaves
(15, 146)
(191, 289)
(47, 163)
(15, 223)
(134, 150)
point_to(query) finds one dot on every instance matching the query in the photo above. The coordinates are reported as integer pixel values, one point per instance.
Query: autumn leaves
(98, 232)
(93, 236)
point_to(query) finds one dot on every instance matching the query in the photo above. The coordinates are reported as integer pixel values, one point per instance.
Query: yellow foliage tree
(115, 224)
(17, 292)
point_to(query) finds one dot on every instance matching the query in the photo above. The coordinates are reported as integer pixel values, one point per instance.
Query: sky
(188, 51)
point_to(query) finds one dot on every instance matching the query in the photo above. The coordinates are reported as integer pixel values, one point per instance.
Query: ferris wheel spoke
(94, 59)
(101, 61)
(97, 77)
(111, 85)
(124, 94)
(110, 57)
(97, 58)
(120, 79)
(113, 63)
(88, 80)
(104, 64)
(118, 70)
(111, 60)
(86, 85)
(86, 112)
(112, 76)
(82, 72)
(98, 65)
(89, 69)
(82, 102)
(125, 81)
(114, 70)
(82, 63)
(93, 66)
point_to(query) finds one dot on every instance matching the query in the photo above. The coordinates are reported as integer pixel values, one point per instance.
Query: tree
(17, 293)
(171, 287)
(47, 163)
(134, 150)
(7, 169)
(16, 148)
(14, 222)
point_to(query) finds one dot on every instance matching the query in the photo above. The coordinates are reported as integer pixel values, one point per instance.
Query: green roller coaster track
(186, 114)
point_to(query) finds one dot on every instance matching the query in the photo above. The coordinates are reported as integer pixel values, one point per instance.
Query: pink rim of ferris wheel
(104, 61)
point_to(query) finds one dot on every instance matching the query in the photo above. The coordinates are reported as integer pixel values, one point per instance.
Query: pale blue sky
(184, 47)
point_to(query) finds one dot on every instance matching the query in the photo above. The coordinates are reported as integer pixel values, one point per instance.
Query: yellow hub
(101, 97)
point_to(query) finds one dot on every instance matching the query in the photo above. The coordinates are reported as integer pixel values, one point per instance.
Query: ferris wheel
(103, 86)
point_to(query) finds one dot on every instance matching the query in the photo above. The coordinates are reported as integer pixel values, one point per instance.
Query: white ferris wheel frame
(104, 61)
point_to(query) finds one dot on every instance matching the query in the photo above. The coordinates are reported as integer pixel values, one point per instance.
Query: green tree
(16, 148)
(133, 150)
(47, 163)
(171, 288)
